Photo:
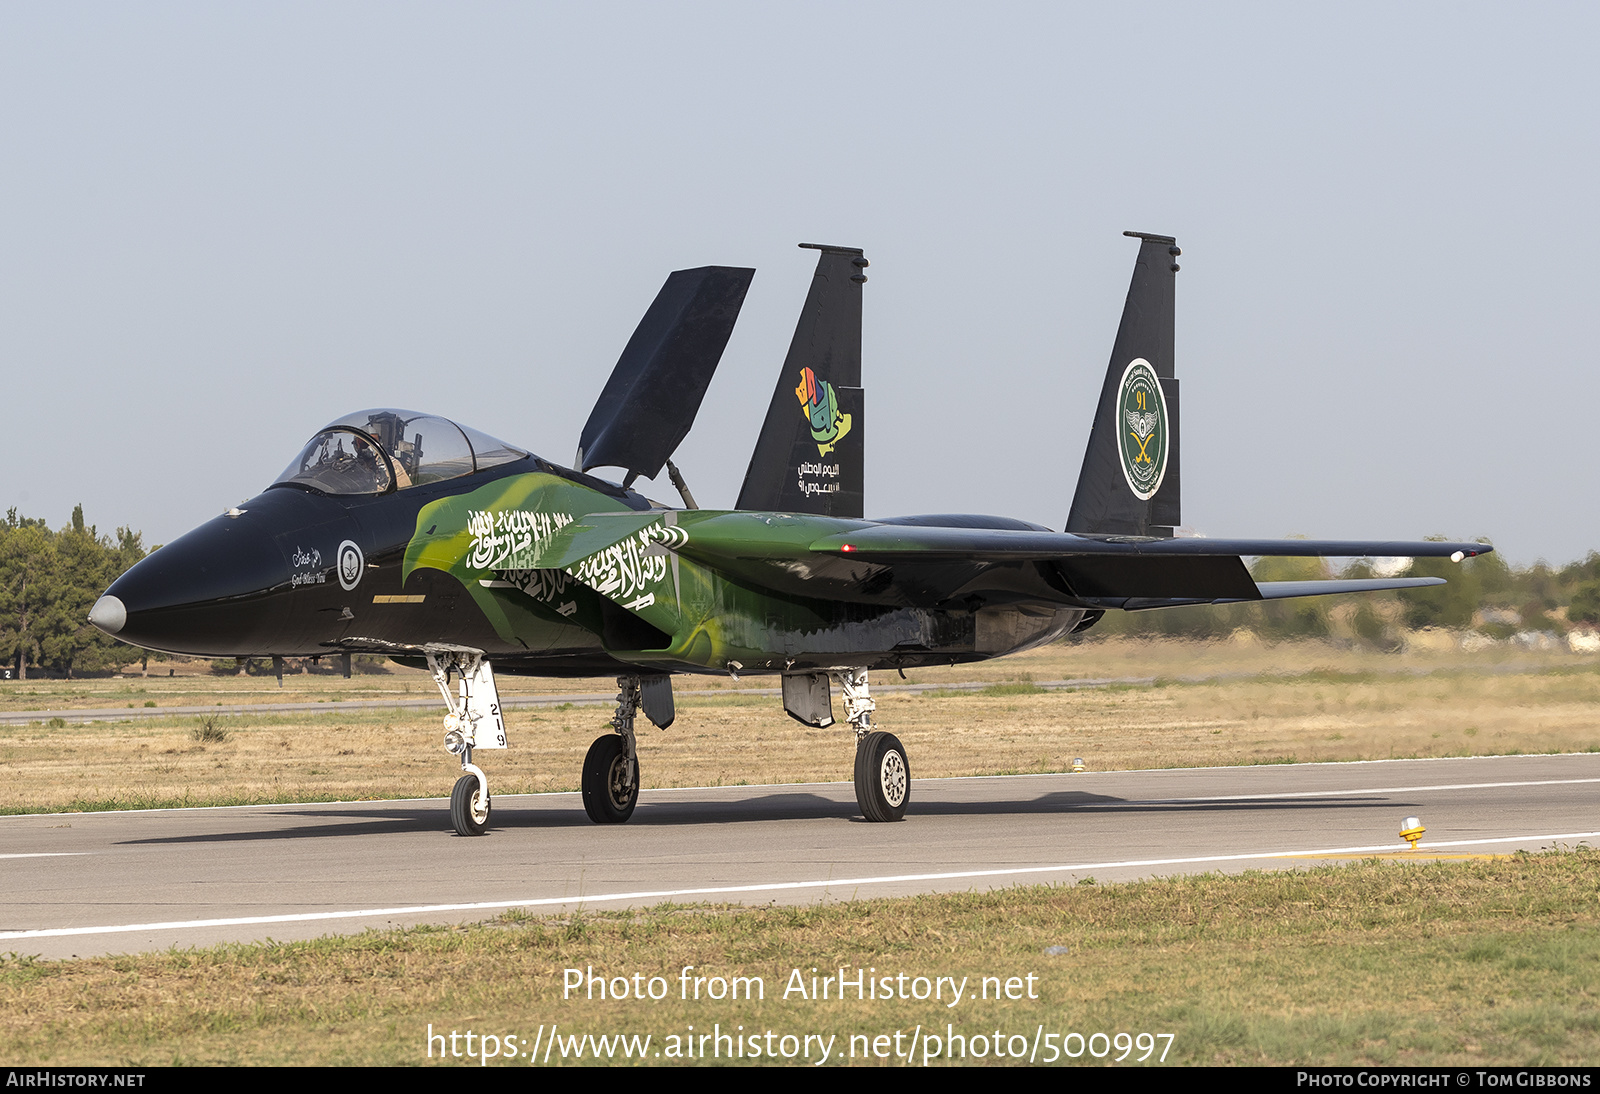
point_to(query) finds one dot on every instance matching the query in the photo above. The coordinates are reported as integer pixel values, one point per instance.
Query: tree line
(48, 582)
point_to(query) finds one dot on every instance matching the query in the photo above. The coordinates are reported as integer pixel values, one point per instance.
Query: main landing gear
(883, 774)
(611, 769)
(474, 721)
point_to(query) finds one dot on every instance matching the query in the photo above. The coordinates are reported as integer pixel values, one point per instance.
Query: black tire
(470, 817)
(608, 794)
(883, 777)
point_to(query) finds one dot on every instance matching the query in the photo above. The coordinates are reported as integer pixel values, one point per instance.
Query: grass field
(1210, 704)
(1487, 962)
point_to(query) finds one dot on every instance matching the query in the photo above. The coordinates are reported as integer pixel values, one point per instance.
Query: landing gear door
(807, 698)
(481, 704)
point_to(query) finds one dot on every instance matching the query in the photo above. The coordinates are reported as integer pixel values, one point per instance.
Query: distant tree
(86, 564)
(1449, 605)
(1585, 606)
(1369, 626)
(29, 589)
(1579, 572)
(48, 583)
(1495, 579)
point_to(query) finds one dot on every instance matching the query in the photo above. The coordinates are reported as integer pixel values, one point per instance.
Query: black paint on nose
(215, 592)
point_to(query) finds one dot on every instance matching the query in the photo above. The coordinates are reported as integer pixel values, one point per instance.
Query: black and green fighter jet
(405, 534)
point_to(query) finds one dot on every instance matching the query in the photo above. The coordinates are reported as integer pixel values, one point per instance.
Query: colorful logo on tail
(1143, 439)
(821, 408)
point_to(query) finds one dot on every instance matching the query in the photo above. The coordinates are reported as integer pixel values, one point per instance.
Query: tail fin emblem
(821, 407)
(1143, 444)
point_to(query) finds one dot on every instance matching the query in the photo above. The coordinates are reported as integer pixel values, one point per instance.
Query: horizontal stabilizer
(1272, 590)
(655, 391)
(1280, 590)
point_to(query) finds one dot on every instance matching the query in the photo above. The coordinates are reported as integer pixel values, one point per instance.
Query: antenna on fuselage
(683, 488)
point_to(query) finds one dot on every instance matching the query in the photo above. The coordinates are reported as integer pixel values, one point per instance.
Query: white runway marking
(46, 854)
(784, 886)
(1368, 790)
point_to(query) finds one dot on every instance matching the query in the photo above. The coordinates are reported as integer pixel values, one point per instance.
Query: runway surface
(92, 883)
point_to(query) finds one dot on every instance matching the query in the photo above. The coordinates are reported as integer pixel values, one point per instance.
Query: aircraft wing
(621, 556)
(899, 541)
(1139, 572)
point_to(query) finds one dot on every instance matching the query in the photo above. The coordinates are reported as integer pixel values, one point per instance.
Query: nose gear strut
(474, 721)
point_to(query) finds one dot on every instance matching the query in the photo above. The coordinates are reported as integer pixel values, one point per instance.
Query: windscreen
(340, 461)
(374, 451)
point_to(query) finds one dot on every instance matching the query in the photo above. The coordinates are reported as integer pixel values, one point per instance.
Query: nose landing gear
(474, 721)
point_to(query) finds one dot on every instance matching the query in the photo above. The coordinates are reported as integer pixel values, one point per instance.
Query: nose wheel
(469, 806)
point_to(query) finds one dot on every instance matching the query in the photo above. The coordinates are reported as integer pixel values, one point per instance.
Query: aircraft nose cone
(109, 614)
(209, 593)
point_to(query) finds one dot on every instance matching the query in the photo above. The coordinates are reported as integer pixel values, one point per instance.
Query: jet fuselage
(296, 573)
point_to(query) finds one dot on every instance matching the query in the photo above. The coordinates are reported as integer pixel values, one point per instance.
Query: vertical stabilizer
(1129, 484)
(809, 457)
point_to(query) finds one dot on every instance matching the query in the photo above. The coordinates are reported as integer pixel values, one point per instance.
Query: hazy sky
(223, 225)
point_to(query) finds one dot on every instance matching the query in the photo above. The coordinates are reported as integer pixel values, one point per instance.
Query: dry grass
(1487, 962)
(196, 685)
(1252, 705)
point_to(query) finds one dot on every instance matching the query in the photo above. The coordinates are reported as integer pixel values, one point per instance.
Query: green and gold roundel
(1142, 427)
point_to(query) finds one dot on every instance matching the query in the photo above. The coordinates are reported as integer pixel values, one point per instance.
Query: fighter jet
(405, 534)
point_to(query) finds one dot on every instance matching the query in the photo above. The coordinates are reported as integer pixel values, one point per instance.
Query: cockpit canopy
(375, 451)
